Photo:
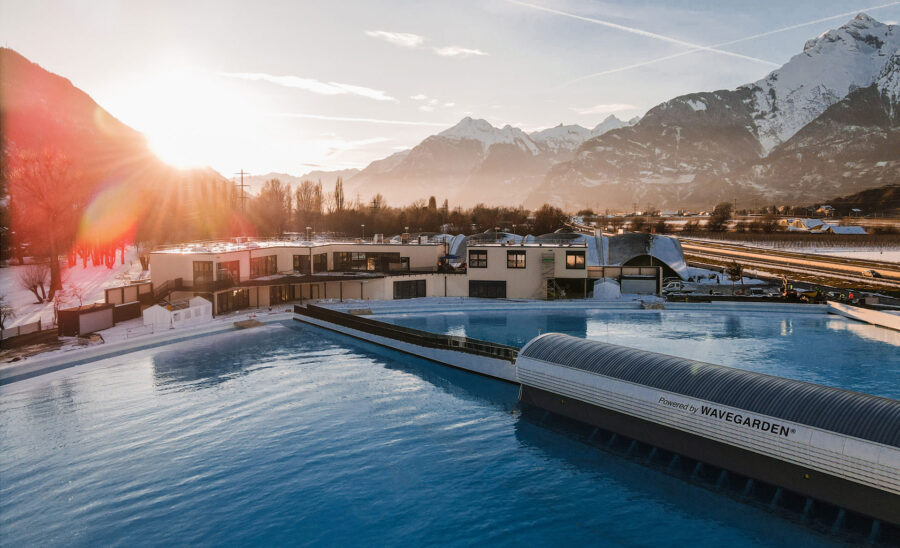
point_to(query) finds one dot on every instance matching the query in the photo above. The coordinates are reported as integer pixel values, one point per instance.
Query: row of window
(369, 261)
(268, 265)
(516, 259)
(487, 289)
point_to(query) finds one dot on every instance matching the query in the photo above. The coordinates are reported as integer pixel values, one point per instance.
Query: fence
(24, 329)
(409, 335)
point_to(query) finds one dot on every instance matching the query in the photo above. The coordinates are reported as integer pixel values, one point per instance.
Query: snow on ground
(705, 276)
(885, 255)
(91, 281)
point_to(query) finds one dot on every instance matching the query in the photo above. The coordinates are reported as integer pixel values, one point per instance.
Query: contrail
(648, 34)
(723, 44)
(365, 120)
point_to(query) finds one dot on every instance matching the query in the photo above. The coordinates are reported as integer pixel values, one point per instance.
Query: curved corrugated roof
(842, 411)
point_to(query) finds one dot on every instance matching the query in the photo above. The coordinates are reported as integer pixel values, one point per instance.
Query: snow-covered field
(91, 281)
(886, 255)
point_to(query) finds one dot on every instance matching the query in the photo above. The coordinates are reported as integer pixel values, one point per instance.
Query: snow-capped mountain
(821, 125)
(569, 138)
(700, 148)
(474, 161)
(488, 135)
(831, 66)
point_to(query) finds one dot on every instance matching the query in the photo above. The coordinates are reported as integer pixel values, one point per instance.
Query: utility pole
(242, 185)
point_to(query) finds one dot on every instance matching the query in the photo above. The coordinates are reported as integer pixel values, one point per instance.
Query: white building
(178, 314)
(234, 276)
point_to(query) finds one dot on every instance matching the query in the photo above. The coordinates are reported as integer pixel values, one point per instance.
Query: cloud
(360, 120)
(419, 97)
(426, 108)
(645, 33)
(605, 109)
(402, 39)
(456, 51)
(448, 105)
(312, 85)
(728, 43)
(336, 146)
(415, 41)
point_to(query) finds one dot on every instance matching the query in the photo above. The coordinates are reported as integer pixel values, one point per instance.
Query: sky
(295, 86)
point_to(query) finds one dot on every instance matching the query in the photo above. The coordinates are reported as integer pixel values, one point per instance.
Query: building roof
(842, 411)
(837, 229)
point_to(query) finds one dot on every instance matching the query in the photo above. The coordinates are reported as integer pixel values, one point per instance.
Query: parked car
(871, 274)
(679, 286)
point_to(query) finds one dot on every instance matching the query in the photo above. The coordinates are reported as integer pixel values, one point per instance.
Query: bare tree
(47, 197)
(34, 278)
(6, 312)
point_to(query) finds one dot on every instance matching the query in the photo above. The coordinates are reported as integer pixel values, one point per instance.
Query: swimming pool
(818, 348)
(287, 434)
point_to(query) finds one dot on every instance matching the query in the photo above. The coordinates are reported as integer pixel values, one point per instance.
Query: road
(801, 266)
(811, 268)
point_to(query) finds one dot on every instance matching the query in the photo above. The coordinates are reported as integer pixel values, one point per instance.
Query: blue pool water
(818, 348)
(288, 434)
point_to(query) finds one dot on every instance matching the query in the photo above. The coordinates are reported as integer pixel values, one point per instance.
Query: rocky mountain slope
(128, 189)
(473, 162)
(752, 143)
(777, 139)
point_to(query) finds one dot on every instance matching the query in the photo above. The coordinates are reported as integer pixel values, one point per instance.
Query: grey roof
(842, 411)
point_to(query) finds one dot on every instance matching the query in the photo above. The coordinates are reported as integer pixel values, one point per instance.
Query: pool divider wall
(858, 474)
(482, 357)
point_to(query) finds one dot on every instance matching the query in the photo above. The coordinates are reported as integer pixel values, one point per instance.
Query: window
(487, 289)
(232, 300)
(515, 259)
(230, 271)
(263, 266)
(203, 272)
(320, 262)
(478, 259)
(301, 264)
(409, 289)
(575, 259)
(368, 261)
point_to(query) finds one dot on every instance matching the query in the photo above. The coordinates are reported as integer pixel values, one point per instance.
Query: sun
(190, 118)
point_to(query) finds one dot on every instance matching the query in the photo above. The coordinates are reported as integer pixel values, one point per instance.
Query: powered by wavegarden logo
(729, 416)
(737, 418)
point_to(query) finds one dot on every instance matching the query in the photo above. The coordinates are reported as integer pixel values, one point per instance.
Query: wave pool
(289, 434)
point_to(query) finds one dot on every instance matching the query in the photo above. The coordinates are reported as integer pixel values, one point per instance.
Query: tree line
(279, 209)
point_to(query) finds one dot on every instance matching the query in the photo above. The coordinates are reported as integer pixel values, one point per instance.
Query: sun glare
(189, 119)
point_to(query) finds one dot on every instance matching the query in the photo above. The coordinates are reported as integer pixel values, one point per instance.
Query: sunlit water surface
(818, 348)
(287, 434)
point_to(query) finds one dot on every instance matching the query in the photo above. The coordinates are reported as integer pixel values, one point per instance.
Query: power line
(242, 185)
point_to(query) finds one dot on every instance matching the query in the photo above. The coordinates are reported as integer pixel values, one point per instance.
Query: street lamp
(307, 232)
(514, 228)
(363, 231)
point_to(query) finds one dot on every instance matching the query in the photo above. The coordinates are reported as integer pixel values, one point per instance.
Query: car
(871, 274)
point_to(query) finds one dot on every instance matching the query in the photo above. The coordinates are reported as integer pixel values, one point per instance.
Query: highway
(814, 268)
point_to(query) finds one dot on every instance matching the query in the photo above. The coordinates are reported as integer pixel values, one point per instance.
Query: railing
(23, 329)
(618, 271)
(162, 290)
(214, 246)
(409, 335)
